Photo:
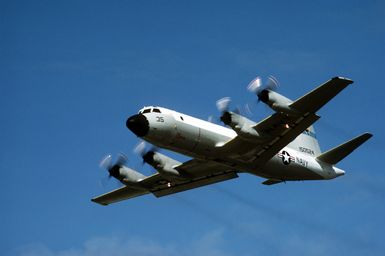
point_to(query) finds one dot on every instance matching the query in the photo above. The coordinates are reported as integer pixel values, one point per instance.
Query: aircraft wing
(196, 168)
(280, 129)
(160, 190)
(198, 173)
(315, 99)
(278, 136)
(118, 195)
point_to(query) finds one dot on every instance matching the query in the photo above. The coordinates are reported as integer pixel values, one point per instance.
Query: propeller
(256, 86)
(121, 159)
(223, 107)
(106, 162)
(147, 155)
(113, 169)
(261, 89)
(223, 104)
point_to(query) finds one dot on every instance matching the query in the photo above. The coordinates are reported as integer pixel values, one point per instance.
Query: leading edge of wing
(281, 129)
(206, 173)
(317, 98)
(118, 195)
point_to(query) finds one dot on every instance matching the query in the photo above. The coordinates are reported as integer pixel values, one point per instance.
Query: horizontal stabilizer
(271, 182)
(333, 156)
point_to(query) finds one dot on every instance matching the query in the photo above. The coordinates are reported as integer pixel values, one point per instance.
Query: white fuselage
(203, 140)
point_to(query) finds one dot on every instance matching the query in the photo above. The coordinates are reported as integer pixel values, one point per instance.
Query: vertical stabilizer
(306, 143)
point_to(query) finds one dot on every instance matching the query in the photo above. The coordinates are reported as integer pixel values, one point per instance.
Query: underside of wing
(315, 99)
(196, 168)
(194, 183)
(118, 195)
(281, 128)
(283, 133)
(197, 173)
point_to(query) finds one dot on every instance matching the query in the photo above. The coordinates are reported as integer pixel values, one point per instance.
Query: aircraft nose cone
(138, 124)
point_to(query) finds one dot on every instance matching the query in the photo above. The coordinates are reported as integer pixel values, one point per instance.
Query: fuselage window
(181, 118)
(147, 110)
(156, 110)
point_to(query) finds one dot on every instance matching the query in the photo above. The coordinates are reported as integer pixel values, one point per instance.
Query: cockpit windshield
(149, 110)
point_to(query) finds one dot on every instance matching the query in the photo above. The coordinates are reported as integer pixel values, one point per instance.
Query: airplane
(282, 147)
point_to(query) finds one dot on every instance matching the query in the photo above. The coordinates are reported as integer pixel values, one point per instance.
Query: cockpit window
(147, 110)
(156, 110)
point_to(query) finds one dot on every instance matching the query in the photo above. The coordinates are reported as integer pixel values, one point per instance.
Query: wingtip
(94, 200)
(365, 137)
(349, 81)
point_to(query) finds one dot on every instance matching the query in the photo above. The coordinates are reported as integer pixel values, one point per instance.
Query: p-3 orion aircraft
(280, 148)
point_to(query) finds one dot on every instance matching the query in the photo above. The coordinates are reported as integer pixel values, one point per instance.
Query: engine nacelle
(126, 175)
(277, 102)
(163, 164)
(242, 126)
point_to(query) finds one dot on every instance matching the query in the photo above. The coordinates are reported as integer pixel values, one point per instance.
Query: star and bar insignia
(286, 157)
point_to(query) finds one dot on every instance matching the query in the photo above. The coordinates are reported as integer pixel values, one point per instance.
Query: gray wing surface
(196, 168)
(315, 99)
(193, 183)
(118, 195)
(198, 173)
(257, 154)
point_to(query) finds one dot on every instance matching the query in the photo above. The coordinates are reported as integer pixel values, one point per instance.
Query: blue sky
(71, 72)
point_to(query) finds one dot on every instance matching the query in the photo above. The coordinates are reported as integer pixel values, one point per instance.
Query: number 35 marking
(160, 119)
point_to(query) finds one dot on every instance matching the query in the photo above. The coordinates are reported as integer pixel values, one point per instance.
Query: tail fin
(333, 156)
(306, 142)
